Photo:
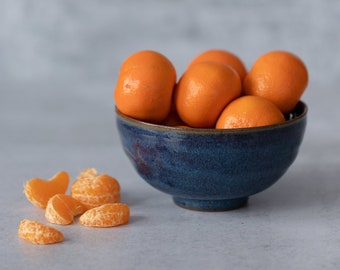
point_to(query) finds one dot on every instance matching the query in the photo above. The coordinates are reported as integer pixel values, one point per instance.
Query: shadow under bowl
(212, 169)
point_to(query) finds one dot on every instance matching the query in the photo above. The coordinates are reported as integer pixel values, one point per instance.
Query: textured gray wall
(62, 39)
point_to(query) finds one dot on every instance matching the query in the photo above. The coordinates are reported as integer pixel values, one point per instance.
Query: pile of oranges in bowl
(218, 134)
(215, 91)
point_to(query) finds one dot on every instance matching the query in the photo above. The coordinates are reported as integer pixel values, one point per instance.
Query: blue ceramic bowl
(211, 169)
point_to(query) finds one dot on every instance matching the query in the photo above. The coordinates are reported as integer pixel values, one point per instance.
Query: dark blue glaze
(209, 169)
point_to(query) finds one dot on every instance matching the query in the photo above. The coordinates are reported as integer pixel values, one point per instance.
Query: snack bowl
(212, 169)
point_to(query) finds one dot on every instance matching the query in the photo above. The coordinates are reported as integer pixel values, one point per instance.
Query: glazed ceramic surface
(209, 169)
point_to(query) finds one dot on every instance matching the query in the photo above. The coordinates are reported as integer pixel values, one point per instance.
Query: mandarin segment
(93, 190)
(38, 233)
(39, 191)
(88, 173)
(61, 209)
(106, 215)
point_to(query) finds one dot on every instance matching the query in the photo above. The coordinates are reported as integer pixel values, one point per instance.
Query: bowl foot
(210, 205)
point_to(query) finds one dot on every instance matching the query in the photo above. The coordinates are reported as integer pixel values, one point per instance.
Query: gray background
(59, 61)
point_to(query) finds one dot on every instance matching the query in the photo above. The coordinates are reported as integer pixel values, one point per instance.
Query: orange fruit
(62, 208)
(249, 111)
(203, 91)
(94, 190)
(145, 85)
(38, 233)
(279, 76)
(39, 191)
(221, 56)
(106, 215)
(172, 119)
(182, 126)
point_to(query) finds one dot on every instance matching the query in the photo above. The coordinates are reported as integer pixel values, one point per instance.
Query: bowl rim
(163, 128)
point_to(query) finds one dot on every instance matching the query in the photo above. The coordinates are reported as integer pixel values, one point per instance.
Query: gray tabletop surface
(59, 62)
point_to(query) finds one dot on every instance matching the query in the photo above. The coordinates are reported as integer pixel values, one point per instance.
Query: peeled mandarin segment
(94, 190)
(39, 191)
(88, 173)
(62, 208)
(38, 233)
(106, 215)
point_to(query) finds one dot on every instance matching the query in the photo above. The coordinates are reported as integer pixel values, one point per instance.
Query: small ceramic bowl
(212, 169)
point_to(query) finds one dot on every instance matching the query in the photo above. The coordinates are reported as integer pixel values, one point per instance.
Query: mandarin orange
(279, 76)
(145, 86)
(203, 91)
(221, 56)
(172, 119)
(249, 111)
